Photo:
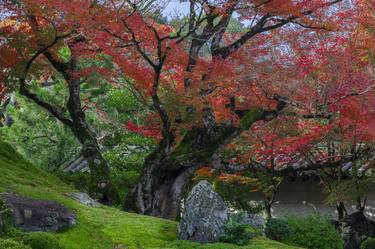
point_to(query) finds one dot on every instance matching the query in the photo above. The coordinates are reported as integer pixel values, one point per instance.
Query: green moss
(250, 117)
(256, 243)
(12, 244)
(199, 144)
(97, 228)
(41, 240)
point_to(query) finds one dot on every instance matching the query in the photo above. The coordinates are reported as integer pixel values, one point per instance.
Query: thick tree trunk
(160, 192)
(169, 168)
(166, 172)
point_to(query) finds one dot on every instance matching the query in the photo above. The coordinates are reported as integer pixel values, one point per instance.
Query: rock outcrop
(37, 215)
(204, 215)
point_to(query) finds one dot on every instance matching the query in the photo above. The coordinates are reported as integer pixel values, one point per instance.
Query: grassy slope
(97, 228)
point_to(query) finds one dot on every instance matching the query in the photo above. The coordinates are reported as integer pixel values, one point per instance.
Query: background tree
(36, 34)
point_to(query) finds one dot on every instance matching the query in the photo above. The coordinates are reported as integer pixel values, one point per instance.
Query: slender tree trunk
(100, 183)
(341, 210)
(268, 209)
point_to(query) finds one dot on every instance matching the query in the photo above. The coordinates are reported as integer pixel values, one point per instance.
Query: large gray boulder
(32, 215)
(204, 215)
(356, 228)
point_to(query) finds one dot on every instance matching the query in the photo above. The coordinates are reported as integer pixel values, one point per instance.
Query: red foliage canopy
(327, 77)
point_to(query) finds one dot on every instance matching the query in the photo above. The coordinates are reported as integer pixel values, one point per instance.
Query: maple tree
(201, 100)
(328, 129)
(33, 36)
(208, 89)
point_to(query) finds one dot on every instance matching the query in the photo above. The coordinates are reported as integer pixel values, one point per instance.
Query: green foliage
(124, 181)
(37, 135)
(12, 244)
(238, 194)
(48, 143)
(5, 217)
(236, 232)
(13, 232)
(368, 244)
(78, 180)
(65, 53)
(40, 240)
(122, 100)
(313, 232)
(278, 229)
(351, 189)
(256, 243)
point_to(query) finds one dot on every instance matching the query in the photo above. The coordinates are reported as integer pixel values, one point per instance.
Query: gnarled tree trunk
(168, 169)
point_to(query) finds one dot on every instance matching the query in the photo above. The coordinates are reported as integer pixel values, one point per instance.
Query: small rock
(83, 198)
(32, 215)
(256, 220)
(204, 216)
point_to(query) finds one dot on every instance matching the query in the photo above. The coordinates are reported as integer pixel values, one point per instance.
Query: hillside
(98, 228)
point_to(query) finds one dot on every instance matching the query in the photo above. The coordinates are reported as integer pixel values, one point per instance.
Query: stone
(83, 198)
(356, 228)
(32, 215)
(204, 216)
(256, 220)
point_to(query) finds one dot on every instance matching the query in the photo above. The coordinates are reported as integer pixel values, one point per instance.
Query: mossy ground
(99, 228)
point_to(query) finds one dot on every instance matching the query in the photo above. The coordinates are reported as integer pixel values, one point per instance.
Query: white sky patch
(175, 7)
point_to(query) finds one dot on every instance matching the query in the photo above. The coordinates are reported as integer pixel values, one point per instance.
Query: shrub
(13, 232)
(5, 216)
(368, 244)
(40, 240)
(313, 232)
(236, 232)
(79, 180)
(11, 244)
(278, 229)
